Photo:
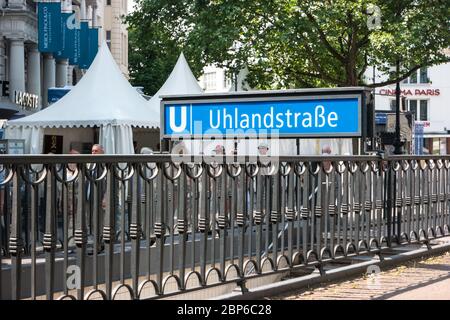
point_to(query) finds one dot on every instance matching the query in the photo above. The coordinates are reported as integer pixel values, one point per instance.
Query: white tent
(180, 81)
(103, 98)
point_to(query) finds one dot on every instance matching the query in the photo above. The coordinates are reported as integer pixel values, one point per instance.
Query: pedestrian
(97, 149)
(326, 151)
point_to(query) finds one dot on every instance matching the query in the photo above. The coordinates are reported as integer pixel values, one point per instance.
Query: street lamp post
(397, 142)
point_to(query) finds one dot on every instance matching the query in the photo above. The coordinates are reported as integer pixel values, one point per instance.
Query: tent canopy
(103, 98)
(180, 81)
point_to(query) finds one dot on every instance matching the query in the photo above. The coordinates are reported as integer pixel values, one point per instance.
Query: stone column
(34, 72)
(61, 72)
(49, 77)
(89, 12)
(16, 67)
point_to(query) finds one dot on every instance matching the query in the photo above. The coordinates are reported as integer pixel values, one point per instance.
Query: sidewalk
(427, 279)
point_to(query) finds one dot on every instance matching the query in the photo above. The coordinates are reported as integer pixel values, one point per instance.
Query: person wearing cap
(268, 168)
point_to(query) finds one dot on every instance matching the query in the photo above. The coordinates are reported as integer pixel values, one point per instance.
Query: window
(209, 81)
(423, 110)
(424, 75)
(108, 2)
(413, 107)
(108, 38)
(392, 104)
(420, 109)
(413, 77)
(421, 78)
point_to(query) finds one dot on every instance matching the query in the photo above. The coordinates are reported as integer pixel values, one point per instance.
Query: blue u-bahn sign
(291, 113)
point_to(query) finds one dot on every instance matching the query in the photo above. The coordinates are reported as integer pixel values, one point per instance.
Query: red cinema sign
(411, 92)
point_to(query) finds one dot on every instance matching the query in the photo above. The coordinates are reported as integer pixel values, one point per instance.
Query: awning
(9, 110)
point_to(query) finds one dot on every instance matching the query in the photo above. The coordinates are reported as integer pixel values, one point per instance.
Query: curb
(331, 275)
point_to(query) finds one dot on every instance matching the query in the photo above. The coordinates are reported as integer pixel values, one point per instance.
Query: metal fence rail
(151, 225)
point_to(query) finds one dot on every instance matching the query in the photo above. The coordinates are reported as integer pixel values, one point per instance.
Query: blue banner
(84, 45)
(93, 45)
(74, 46)
(64, 53)
(54, 94)
(49, 26)
(302, 117)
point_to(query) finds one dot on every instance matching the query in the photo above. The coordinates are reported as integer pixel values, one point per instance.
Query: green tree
(298, 43)
(156, 32)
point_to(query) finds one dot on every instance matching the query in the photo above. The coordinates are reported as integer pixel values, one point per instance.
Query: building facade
(426, 93)
(21, 63)
(115, 31)
(216, 79)
(26, 74)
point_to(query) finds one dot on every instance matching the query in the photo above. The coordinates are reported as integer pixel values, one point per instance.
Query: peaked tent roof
(103, 96)
(180, 81)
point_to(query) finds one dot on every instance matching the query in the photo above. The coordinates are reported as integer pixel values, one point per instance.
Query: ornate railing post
(49, 236)
(80, 229)
(109, 230)
(160, 228)
(223, 218)
(135, 228)
(290, 212)
(15, 238)
(182, 223)
(203, 221)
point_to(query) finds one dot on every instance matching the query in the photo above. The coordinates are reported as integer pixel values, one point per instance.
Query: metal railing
(146, 226)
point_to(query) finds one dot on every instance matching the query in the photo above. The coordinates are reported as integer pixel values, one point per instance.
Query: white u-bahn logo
(183, 119)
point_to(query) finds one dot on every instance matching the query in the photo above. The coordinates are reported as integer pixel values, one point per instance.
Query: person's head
(326, 149)
(219, 149)
(146, 150)
(97, 149)
(263, 148)
(74, 151)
